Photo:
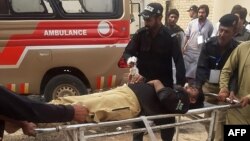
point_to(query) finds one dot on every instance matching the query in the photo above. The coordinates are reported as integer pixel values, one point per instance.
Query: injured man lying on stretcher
(129, 101)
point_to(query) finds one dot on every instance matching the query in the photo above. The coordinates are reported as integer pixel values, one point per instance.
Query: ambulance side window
(30, 6)
(60, 9)
(71, 6)
(91, 6)
(87, 6)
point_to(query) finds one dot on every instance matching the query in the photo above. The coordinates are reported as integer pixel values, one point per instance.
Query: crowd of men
(208, 61)
(207, 58)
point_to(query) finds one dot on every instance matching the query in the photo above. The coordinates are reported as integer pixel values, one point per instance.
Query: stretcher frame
(79, 129)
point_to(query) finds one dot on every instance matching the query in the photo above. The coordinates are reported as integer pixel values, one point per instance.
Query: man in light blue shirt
(197, 32)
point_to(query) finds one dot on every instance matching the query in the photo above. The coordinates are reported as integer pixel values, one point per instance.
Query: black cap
(193, 8)
(228, 20)
(152, 9)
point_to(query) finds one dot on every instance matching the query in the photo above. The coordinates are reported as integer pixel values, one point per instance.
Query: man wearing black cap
(193, 12)
(214, 54)
(155, 48)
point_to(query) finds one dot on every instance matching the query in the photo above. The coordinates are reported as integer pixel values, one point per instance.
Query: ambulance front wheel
(64, 85)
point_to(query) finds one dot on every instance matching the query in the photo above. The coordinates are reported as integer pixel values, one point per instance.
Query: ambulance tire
(64, 85)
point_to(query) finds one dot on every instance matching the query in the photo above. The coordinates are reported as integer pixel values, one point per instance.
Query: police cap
(193, 8)
(152, 9)
(228, 20)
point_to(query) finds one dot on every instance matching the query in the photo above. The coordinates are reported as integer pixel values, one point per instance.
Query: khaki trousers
(220, 120)
(236, 116)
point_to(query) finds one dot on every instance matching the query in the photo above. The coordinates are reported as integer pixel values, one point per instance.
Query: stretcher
(78, 130)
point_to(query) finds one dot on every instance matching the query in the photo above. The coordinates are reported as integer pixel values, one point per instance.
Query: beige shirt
(240, 60)
(117, 104)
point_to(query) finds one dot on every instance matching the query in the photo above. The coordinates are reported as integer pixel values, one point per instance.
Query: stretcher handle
(235, 101)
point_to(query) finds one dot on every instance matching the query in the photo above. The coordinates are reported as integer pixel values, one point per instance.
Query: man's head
(236, 7)
(196, 97)
(227, 28)
(193, 11)
(203, 12)
(192, 92)
(152, 15)
(173, 17)
(241, 13)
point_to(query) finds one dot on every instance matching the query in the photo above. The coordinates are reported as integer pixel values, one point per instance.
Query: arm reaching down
(174, 101)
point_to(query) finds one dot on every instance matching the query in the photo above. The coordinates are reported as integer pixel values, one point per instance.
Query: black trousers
(1, 129)
(166, 134)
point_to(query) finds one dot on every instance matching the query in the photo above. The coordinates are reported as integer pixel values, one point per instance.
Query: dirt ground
(191, 132)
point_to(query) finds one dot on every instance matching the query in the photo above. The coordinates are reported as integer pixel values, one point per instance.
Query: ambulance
(60, 48)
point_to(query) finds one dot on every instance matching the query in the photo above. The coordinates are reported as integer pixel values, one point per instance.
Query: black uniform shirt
(155, 56)
(166, 101)
(210, 56)
(177, 31)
